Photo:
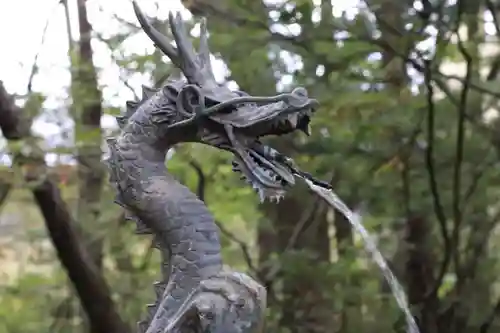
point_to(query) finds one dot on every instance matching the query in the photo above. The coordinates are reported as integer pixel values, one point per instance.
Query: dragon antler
(196, 67)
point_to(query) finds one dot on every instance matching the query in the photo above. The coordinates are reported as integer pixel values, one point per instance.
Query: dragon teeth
(262, 197)
(293, 119)
(275, 198)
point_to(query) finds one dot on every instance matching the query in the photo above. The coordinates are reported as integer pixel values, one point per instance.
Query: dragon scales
(196, 294)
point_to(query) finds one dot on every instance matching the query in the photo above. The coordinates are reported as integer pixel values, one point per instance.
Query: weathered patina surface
(196, 294)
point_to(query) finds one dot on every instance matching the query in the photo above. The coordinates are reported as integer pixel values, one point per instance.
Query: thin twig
(300, 42)
(115, 59)
(459, 152)
(121, 20)
(35, 61)
(477, 174)
(429, 160)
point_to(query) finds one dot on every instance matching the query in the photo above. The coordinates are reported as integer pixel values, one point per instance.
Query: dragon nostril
(300, 91)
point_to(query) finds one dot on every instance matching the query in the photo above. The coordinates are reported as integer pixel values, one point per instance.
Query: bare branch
(298, 229)
(34, 67)
(476, 176)
(459, 152)
(115, 59)
(429, 160)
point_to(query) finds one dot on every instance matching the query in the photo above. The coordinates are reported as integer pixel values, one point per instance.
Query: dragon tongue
(304, 125)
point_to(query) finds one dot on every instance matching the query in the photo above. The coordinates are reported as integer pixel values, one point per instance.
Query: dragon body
(196, 294)
(184, 229)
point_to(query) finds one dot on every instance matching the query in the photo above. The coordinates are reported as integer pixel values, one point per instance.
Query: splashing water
(333, 200)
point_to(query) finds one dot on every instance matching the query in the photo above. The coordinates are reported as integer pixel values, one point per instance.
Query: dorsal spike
(109, 160)
(159, 289)
(131, 107)
(142, 326)
(151, 310)
(147, 92)
(121, 121)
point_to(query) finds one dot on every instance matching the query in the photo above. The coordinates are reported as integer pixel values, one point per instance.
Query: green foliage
(23, 304)
(371, 137)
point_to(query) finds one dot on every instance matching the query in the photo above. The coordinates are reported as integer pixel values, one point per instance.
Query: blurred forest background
(408, 134)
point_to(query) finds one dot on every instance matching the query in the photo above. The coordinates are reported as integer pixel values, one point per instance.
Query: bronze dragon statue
(196, 294)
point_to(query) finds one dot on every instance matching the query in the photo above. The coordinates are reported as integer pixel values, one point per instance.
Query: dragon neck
(184, 229)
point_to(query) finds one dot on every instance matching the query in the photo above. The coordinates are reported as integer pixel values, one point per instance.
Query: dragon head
(231, 120)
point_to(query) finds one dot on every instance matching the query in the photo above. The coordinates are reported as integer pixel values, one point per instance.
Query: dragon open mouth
(264, 168)
(226, 119)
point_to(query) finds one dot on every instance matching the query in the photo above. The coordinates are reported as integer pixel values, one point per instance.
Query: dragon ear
(191, 101)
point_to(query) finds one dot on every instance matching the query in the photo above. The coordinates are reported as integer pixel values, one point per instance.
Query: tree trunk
(87, 112)
(87, 98)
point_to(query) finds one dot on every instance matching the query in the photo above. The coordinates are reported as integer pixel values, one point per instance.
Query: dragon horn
(161, 41)
(186, 51)
(203, 50)
(196, 67)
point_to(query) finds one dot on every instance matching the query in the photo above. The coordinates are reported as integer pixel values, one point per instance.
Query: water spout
(355, 220)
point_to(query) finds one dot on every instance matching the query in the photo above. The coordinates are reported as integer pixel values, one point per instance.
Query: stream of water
(370, 245)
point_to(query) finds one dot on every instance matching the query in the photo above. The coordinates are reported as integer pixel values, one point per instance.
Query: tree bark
(87, 101)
